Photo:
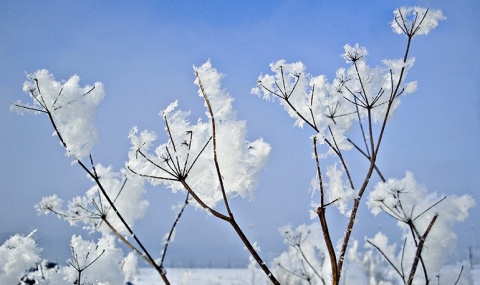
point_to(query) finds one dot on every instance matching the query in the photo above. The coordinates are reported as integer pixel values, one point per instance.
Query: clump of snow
(98, 263)
(414, 208)
(355, 53)
(72, 108)
(339, 192)
(17, 255)
(415, 20)
(305, 261)
(130, 267)
(220, 100)
(125, 190)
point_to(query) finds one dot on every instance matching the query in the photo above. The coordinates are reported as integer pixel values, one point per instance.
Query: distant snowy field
(200, 276)
(244, 276)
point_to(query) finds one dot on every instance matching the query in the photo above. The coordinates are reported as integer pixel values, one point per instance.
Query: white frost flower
(49, 204)
(72, 109)
(415, 20)
(17, 255)
(220, 100)
(412, 205)
(355, 53)
(305, 256)
(187, 155)
(105, 259)
(339, 192)
(124, 189)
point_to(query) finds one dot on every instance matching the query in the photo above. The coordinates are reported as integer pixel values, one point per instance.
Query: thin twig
(386, 258)
(214, 138)
(172, 230)
(418, 253)
(323, 220)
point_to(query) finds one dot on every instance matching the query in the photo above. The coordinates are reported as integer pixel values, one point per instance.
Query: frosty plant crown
(212, 161)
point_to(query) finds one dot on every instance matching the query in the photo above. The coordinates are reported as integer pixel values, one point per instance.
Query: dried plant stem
(386, 258)
(323, 220)
(127, 243)
(172, 230)
(418, 253)
(375, 150)
(80, 268)
(229, 218)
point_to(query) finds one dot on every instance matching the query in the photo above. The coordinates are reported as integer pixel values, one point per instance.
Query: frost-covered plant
(426, 220)
(95, 263)
(70, 108)
(212, 161)
(112, 204)
(99, 263)
(193, 154)
(93, 209)
(363, 98)
(372, 265)
(17, 255)
(304, 261)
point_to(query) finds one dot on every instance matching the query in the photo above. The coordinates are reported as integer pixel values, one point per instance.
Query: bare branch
(400, 273)
(172, 229)
(418, 253)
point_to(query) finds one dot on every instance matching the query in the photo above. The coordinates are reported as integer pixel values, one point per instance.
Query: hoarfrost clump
(220, 100)
(72, 109)
(91, 263)
(372, 265)
(356, 93)
(126, 190)
(339, 192)
(417, 20)
(17, 255)
(305, 261)
(130, 268)
(412, 206)
(96, 263)
(188, 153)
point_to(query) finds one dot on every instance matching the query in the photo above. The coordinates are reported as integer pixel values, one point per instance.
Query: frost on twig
(95, 262)
(359, 96)
(70, 110)
(71, 107)
(186, 155)
(417, 210)
(415, 20)
(305, 258)
(212, 161)
(17, 255)
(93, 209)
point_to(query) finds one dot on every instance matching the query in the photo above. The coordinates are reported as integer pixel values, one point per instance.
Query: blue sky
(143, 52)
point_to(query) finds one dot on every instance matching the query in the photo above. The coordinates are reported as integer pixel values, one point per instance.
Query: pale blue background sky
(143, 51)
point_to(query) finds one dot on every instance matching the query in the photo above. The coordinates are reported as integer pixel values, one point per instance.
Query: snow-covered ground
(200, 276)
(220, 276)
(244, 276)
